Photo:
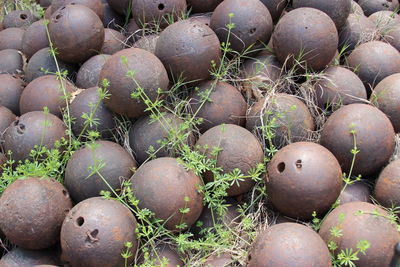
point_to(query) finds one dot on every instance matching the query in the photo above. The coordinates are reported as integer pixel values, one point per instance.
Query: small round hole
(23, 16)
(66, 211)
(299, 164)
(80, 221)
(65, 193)
(252, 31)
(94, 233)
(281, 167)
(57, 17)
(20, 128)
(161, 7)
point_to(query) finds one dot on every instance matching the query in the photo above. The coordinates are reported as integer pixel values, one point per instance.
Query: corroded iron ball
(369, 128)
(240, 149)
(185, 42)
(223, 104)
(11, 38)
(35, 208)
(372, 6)
(358, 191)
(95, 231)
(215, 260)
(385, 20)
(89, 73)
(355, 8)
(289, 244)
(11, 61)
(18, 257)
(10, 92)
(252, 20)
(316, 38)
(120, 6)
(147, 43)
(149, 76)
(32, 129)
(357, 221)
(275, 8)
(19, 19)
(203, 6)
(34, 39)
(165, 187)
(114, 41)
(6, 118)
(95, 5)
(387, 187)
(165, 255)
(116, 163)
(77, 33)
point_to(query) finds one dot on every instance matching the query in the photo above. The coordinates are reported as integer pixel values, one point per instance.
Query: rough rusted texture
(358, 29)
(275, 8)
(19, 19)
(146, 133)
(120, 6)
(202, 18)
(296, 183)
(10, 92)
(94, 233)
(84, 103)
(203, 6)
(46, 91)
(374, 135)
(359, 191)
(386, 96)
(11, 61)
(114, 41)
(34, 39)
(223, 104)
(165, 256)
(19, 257)
(305, 34)
(77, 33)
(89, 73)
(339, 86)
(293, 119)
(385, 20)
(11, 38)
(112, 19)
(377, 230)
(95, 5)
(117, 167)
(164, 186)
(147, 43)
(35, 209)
(185, 42)
(222, 260)
(372, 6)
(387, 187)
(149, 74)
(33, 128)
(253, 24)
(239, 149)
(6, 118)
(356, 9)
(289, 244)
(392, 36)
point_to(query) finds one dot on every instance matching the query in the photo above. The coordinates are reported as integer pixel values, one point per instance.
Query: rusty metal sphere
(303, 177)
(35, 208)
(6, 118)
(202, 18)
(164, 186)
(94, 234)
(19, 19)
(77, 33)
(89, 73)
(114, 41)
(118, 165)
(372, 6)
(337, 10)
(120, 6)
(185, 42)
(147, 43)
(358, 191)
(46, 91)
(222, 260)
(112, 19)
(18, 257)
(34, 39)
(95, 5)
(356, 8)
(392, 36)
(224, 104)
(11, 61)
(203, 6)
(385, 20)
(289, 244)
(165, 255)
(316, 41)
(10, 92)
(150, 75)
(275, 8)
(357, 222)
(252, 20)
(83, 104)
(387, 187)
(33, 129)
(240, 149)
(374, 136)
(11, 38)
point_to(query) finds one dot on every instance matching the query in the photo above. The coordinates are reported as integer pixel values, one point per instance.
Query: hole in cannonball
(57, 17)
(281, 167)
(299, 164)
(65, 193)
(94, 233)
(161, 7)
(66, 211)
(20, 128)
(23, 16)
(252, 31)
(80, 221)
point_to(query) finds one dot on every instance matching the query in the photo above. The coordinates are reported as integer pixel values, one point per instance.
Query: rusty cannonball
(387, 187)
(386, 96)
(185, 42)
(11, 38)
(149, 74)
(240, 149)
(289, 244)
(275, 8)
(224, 104)
(165, 187)
(19, 19)
(202, 18)
(385, 20)
(82, 104)
(356, 8)
(358, 191)
(95, 231)
(203, 6)
(253, 24)
(46, 91)
(89, 73)
(80, 181)
(112, 19)
(147, 43)
(303, 177)
(114, 41)
(372, 6)
(77, 33)
(10, 92)
(11, 61)
(222, 260)
(6, 118)
(19, 257)
(34, 39)
(374, 61)
(165, 255)
(120, 6)
(35, 208)
(374, 136)
(316, 41)
(95, 5)
(357, 221)
(32, 129)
